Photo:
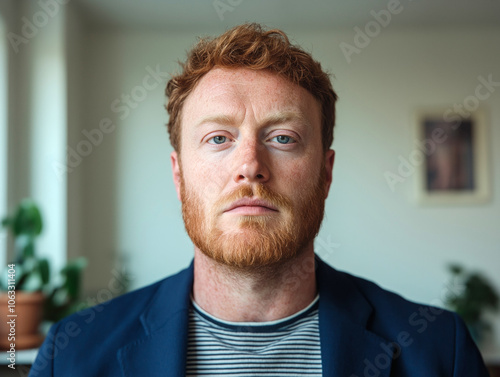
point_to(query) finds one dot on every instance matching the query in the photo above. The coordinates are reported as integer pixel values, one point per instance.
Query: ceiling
(208, 15)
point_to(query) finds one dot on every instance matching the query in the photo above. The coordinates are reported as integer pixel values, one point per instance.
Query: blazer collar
(162, 351)
(347, 347)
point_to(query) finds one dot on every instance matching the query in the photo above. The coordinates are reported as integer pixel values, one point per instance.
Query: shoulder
(427, 339)
(123, 312)
(392, 312)
(383, 302)
(101, 330)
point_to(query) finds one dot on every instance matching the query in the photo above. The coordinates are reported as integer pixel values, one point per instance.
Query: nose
(251, 163)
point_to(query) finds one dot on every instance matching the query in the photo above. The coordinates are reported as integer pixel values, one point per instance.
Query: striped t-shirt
(285, 347)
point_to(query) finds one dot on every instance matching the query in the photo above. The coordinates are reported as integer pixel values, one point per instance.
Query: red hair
(250, 46)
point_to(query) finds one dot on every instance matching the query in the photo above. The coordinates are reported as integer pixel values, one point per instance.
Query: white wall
(36, 112)
(131, 209)
(46, 119)
(383, 235)
(77, 105)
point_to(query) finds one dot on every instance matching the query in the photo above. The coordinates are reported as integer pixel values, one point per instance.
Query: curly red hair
(250, 46)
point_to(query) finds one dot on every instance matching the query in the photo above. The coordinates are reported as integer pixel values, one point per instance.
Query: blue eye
(284, 139)
(218, 139)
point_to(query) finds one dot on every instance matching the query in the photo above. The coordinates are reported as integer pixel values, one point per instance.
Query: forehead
(241, 92)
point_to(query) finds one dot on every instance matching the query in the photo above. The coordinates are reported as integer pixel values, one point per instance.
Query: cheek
(299, 173)
(303, 183)
(206, 178)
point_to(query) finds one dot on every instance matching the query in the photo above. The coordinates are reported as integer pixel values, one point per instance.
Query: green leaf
(33, 282)
(44, 269)
(27, 219)
(6, 222)
(29, 249)
(471, 302)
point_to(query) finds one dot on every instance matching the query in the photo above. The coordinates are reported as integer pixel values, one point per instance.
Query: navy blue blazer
(365, 331)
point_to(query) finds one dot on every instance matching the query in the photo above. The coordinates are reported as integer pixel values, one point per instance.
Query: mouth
(251, 210)
(251, 207)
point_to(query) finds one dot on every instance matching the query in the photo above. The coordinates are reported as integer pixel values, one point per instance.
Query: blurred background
(82, 132)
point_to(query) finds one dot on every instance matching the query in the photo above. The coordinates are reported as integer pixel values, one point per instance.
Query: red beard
(260, 241)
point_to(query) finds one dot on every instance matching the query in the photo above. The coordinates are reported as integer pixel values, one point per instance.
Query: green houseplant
(471, 297)
(50, 300)
(32, 273)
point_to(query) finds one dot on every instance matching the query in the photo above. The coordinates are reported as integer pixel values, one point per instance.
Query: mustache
(257, 191)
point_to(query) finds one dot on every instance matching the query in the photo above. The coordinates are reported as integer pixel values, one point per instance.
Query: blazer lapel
(348, 348)
(162, 351)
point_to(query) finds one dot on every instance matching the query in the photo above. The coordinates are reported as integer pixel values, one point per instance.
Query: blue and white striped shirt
(285, 347)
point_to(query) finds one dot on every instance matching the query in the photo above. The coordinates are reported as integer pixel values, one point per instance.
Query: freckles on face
(251, 134)
(242, 119)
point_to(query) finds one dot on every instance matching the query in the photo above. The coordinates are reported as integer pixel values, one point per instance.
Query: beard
(259, 240)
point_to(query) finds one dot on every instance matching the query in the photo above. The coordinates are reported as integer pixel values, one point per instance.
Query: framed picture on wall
(454, 153)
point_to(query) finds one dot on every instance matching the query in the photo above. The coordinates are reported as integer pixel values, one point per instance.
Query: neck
(265, 294)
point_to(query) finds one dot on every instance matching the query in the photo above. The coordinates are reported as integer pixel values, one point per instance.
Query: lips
(247, 202)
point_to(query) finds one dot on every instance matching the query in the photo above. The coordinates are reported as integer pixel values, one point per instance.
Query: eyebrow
(276, 118)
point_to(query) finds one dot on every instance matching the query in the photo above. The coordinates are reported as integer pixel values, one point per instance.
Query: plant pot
(28, 313)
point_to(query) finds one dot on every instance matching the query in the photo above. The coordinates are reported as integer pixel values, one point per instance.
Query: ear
(329, 160)
(176, 172)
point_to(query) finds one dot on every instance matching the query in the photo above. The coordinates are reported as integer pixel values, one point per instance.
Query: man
(251, 122)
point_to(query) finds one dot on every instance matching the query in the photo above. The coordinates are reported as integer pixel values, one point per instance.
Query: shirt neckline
(252, 326)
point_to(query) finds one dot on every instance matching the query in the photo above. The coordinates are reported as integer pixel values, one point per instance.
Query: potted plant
(27, 293)
(472, 296)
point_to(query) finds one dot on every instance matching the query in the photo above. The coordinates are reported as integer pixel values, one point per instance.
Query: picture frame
(454, 168)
